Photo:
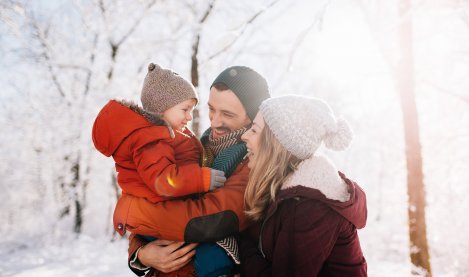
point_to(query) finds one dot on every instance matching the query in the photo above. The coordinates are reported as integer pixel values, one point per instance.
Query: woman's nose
(244, 137)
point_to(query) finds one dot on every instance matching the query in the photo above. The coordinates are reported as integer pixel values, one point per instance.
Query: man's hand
(163, 256)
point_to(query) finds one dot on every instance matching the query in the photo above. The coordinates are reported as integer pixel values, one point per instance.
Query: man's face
(226, 112)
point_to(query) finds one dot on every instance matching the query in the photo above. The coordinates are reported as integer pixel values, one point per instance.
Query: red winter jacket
(152, 161)
(309, 230)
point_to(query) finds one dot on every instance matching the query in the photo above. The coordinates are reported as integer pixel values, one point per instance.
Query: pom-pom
(339, 137)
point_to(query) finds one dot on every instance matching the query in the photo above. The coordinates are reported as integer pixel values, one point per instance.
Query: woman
(306, 212)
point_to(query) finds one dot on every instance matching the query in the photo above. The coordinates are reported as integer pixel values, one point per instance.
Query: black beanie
(248, 85)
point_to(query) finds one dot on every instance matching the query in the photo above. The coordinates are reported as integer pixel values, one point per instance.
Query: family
(252, 197)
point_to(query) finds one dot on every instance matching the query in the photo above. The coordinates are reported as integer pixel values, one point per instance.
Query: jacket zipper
(262, 230)
(263, 224)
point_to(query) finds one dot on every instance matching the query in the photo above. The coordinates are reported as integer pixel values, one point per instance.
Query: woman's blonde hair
(273, 165)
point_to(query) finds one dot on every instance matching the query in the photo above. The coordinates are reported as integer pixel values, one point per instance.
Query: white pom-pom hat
(302, 123)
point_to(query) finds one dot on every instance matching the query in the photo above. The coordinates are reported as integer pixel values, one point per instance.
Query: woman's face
(252, 138)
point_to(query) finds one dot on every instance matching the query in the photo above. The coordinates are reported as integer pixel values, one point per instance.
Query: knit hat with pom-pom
(302, 123)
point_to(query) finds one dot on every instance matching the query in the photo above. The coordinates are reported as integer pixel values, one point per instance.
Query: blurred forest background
(396, 70)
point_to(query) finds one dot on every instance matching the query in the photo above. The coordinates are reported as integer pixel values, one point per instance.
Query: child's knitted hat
(163, 89)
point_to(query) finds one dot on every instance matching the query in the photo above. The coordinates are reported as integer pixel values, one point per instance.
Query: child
(156, 156)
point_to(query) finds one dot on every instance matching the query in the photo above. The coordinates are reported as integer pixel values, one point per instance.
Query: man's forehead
(222, 109)
(225, 101)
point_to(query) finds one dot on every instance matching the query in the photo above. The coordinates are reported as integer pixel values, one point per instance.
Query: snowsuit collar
(117, 120)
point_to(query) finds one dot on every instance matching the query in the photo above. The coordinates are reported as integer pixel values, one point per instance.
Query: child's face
(179, 115)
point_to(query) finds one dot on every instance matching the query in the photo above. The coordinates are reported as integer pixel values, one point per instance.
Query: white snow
(83, 256)
(346, 57)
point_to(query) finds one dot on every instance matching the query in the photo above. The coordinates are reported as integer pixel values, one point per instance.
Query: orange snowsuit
(152, 160)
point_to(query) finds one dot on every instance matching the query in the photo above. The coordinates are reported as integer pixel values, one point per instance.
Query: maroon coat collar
(354, 210)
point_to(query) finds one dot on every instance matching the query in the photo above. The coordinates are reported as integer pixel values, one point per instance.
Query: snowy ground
(87, 256)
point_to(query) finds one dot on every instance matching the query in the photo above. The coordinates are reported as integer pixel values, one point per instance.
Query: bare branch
(195, 46)
(38, 34)
(136, 23)
(116, 45)
(445, 91)
(318, 19)
(9, 10)
(92, 59)
(102, 8)
(244, 28)
(195, 62)
(207, 12)
(71, 66)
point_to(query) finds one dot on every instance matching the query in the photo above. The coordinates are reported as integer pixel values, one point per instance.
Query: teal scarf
(230, 156)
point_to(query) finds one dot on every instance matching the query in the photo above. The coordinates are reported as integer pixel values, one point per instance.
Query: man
(234, 99)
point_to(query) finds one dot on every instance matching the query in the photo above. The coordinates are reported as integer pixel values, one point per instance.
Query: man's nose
(215, 121)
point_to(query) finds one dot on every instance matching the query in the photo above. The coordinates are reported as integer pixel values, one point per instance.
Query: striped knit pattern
(228, 159)
(220, 144)
(231, 247)
(207, 157)
(230, 153)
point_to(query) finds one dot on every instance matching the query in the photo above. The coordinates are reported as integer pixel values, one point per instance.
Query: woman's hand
(164, 255)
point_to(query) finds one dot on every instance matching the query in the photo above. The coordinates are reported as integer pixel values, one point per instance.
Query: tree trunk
(117, 193)
(419, 254)
(195, 66)
(78, 220)
(195, 82)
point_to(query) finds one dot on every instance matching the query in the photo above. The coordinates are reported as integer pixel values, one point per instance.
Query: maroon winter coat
(305, 232)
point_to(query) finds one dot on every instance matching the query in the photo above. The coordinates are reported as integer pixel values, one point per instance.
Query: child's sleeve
(156, 164)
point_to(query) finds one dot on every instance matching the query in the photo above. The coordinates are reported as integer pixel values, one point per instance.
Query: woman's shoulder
(306, 213)
(299, 206)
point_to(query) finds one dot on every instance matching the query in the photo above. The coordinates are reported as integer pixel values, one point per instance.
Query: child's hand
(217, 179)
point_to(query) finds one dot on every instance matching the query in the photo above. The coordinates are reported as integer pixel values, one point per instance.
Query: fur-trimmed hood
(152, 118)
(317, 178)
(118, 119)
(318, 172)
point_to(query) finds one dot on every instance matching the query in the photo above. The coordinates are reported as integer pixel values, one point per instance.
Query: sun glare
(345, 49)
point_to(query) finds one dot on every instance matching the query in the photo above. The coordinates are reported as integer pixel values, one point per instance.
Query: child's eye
(254, 131)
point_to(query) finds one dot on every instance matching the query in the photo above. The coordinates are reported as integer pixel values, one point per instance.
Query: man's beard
(223, 129)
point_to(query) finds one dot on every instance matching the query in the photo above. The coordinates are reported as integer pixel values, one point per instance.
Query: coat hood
(117, 120)
(318, 179)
